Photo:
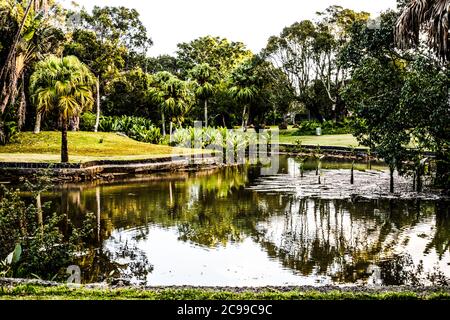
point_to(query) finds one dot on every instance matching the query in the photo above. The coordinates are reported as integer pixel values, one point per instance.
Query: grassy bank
(83, 147)
(337, 140)
(33, 292)
(90, 146)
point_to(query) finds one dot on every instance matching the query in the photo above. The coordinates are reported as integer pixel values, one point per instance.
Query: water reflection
(211, 229)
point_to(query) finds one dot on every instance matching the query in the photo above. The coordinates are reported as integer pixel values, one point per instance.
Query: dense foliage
(34, 244)
(399, 100)
(139, 129)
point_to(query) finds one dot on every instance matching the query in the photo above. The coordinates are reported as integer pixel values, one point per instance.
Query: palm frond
(430, 16)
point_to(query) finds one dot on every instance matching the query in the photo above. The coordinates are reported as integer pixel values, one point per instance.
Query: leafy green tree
(206, 79)
(373, 95)
(425, 107)
(308, 53)
(162, 63)
(223, 56)
(108, 40)
(104, 58)
(275, 94)
(398, 99)
(218, 53)
(244, 88)
(173, 96)
(119, 25)
(292, 52)
(64, 86)
(129, 86)
(332, 33)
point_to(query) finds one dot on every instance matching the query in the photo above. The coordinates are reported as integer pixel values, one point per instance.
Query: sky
(252, 22)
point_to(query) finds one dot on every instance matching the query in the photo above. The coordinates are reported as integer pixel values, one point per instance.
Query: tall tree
(129, 86)
(244, 88)
(291, 51)
(108, 40)
(174, 97)
(206, 79)
(26, 33)
(398, 98)
(218, 53)
(373, 95)
(64, 86)
(104, 58)
(308, 53)
(119, 25)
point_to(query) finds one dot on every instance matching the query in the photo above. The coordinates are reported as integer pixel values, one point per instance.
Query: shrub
(10, 131)
(87, 121)
(144, 134)
(221, 137)
(137, 128)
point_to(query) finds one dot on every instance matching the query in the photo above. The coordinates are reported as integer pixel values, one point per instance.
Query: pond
(235, 227)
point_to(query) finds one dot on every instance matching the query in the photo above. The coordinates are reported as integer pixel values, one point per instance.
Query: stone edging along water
(105, 169)
(124, 284)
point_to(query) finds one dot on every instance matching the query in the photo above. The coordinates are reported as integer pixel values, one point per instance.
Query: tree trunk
(419, 179)
(97, 118)
(391, 189)
(2, 132)
(243, 117)
(352, 178)
(247, 118)
(37, 126)
(40, 217)
(7, 71)
(21, 113)
(223, 121)
(206, 113)
(442, 179)
(99, 217)
(64, 147)
(163, 119)
(75, 123)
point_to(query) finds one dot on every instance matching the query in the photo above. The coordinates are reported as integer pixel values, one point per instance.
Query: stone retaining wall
(105, 169)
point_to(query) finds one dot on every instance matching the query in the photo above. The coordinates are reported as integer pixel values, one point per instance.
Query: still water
(233, 227)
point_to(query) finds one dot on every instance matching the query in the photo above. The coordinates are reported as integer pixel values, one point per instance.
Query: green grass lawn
(337, 140)
(83, 147)
(33, 292)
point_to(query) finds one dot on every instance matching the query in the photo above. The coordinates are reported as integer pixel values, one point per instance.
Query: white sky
(252, 22)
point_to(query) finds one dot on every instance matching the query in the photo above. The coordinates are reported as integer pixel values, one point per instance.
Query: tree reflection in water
(378, 241)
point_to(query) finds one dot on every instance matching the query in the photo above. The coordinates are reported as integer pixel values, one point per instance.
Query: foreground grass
(34, 292)
(83, 147)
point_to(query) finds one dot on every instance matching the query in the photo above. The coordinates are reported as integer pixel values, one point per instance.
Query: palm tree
(205, 78)
(62, 85)
(29, 18)
(244, 88)
(432, 16)
(172, 95)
